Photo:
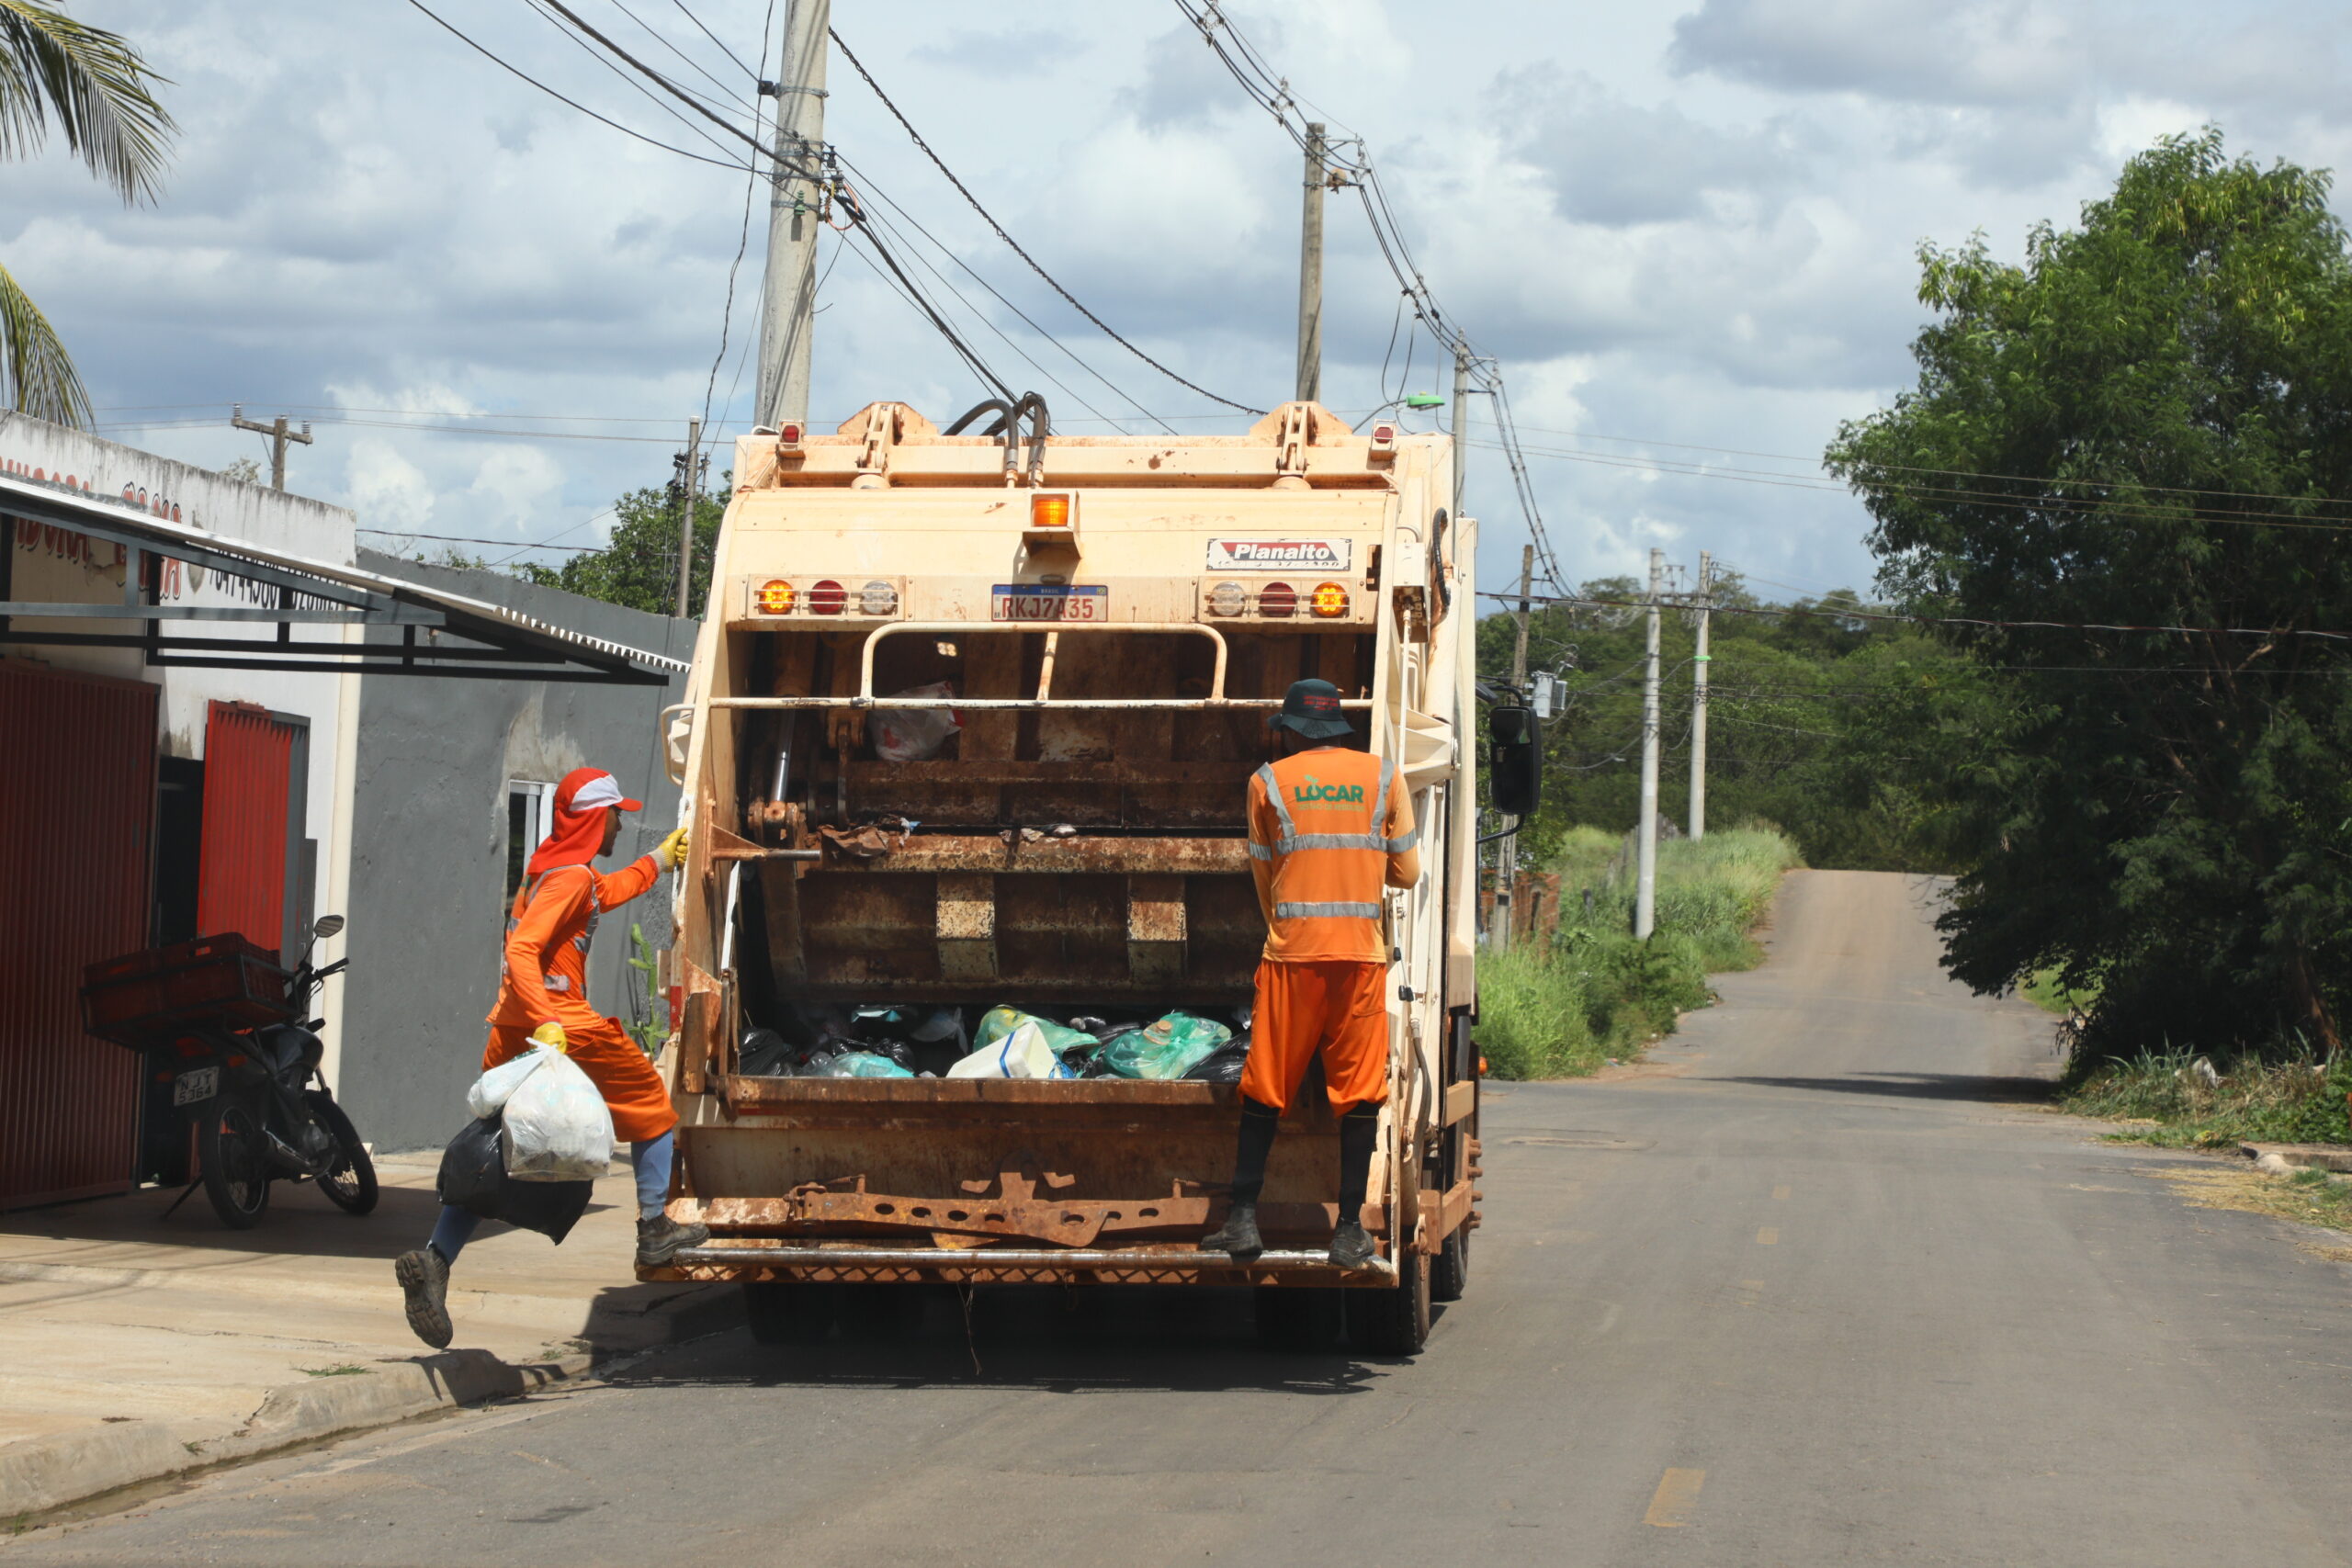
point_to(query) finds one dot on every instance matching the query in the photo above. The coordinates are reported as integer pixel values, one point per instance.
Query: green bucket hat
(1312, 708)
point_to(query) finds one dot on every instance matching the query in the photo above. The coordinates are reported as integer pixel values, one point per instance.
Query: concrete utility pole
(278, 436)
(1699, 707)
(1310, 271)
(789, 300)
(689, 492)
(1645, 879)
(1507, 862)
(1461, 425)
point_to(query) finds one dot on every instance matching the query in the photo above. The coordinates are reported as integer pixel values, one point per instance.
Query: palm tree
(98, 89)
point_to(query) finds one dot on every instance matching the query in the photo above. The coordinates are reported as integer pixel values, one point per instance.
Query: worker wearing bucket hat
(543, 1001)
(1330, 826)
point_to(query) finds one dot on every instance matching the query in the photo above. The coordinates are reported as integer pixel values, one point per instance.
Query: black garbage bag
(473, 1178)
(765, 1054)
(1223, 1064)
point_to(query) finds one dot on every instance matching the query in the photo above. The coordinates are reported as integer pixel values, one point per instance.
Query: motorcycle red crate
(143, 1000)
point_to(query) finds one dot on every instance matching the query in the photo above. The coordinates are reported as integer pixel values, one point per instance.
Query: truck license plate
(193, 1088)
(1049, 602)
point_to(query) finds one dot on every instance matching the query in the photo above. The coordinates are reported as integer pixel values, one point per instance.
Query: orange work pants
(1336, 1007)
(633, 1091)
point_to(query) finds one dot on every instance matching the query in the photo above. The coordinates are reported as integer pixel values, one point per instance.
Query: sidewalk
(133, 1346)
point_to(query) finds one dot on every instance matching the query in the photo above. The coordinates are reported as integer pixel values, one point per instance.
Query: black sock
(1258, 1126)
(1359, 1129)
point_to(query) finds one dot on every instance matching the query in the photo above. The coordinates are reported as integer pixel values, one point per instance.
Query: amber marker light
(1049, 511)
(1330, 600)
(777, 597)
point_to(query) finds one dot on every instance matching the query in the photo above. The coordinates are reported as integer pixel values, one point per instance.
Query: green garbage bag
(1166, 1049)
(860, 1064)
(998, 1022)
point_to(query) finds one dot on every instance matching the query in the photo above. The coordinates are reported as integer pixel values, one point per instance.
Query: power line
(722, 42)
(665, 83)
(469, 539)
(639, 88)
(743, 239)
(690, 62)
(551, 92)
(1846, 615)
(1014, 245)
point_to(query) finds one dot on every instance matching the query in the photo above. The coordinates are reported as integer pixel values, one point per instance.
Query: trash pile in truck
(907, 1041)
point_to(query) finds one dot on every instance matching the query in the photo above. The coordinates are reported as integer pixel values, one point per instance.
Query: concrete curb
(39, 1474)
(2285, 1159)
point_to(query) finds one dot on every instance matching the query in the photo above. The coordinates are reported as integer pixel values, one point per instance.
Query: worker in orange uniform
(1329, 828)
(543, 1001)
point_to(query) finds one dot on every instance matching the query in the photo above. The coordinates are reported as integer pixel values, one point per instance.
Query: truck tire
(790, 1312)
(1297, 1317)
(1394, 1323)
(881, 1311)
(1450, 1269)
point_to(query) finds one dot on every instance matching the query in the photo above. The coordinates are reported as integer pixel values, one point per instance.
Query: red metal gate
(248, 767)
(77, 795)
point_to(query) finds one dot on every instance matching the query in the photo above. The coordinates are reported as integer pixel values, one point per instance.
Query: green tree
(2142, 426)
(640, 568)
(100, 94)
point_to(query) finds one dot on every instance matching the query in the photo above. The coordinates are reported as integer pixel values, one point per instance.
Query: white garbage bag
(914, 734)
(492, 1090)
(556, 1126)
(1024, 1054)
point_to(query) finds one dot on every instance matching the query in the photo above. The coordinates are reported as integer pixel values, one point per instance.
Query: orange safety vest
(1325, 829)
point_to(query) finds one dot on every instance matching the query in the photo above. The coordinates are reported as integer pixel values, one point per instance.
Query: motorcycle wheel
(236, 1172)
(350, 1182)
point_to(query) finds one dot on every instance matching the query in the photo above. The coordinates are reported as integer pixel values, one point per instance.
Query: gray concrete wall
(428, 863)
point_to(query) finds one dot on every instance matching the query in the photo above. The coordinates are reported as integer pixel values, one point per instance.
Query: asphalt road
(1813, 1290)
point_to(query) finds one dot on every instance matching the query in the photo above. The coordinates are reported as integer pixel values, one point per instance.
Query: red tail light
(1278, 600)
(827, 598)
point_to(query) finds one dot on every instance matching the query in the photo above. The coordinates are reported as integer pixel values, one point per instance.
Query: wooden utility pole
(1507, 862)
(1310, 270)
(1461, 425)
(689, 492)
(1698, 706)
(1645, 848)
(278, 436)
(788, 299)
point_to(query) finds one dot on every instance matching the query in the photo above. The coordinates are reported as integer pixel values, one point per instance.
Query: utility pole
(1310, 271)
(1646, 879)
(278, 436)
(788, 299)
(689, 492)
(1507, 862)
(1460, 426)
(1698, 706)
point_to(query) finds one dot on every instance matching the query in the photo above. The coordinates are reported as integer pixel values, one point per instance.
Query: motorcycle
(258, 1117)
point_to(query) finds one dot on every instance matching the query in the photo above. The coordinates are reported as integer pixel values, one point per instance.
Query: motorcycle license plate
(1049, 602)
(194, 1088)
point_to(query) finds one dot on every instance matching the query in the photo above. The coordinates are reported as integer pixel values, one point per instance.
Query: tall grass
(2194, 1104)
(1594, 992)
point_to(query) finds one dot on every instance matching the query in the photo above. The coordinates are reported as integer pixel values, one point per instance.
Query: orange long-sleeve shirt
(544, 978)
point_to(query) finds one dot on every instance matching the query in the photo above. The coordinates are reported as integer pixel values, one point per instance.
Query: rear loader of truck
(1111, 620)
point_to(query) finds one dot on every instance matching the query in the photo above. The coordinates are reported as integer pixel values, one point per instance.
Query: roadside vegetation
(1562, 1008)
(2181, 1101)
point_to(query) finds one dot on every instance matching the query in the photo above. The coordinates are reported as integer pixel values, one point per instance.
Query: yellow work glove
(551, 1034)
(671, 851)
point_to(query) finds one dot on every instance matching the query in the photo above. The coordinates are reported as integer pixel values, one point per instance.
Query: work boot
(1239, 1234)
(425, 1279)
(661, 1237)
(1350, 1246)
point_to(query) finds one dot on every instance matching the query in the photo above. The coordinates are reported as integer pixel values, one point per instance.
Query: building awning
(440, 633)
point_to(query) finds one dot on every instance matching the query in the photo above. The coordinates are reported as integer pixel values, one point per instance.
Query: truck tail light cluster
(1278, 601)
(878, 600)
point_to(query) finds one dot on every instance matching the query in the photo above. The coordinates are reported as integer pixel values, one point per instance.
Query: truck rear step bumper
(997, 1264)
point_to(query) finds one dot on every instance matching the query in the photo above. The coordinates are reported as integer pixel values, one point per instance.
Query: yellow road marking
(1769, 1236)
(1675, 1491)
(1751, 1284)
(1779, 1194)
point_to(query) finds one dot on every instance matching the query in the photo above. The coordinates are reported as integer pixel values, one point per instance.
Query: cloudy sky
(1688, 231)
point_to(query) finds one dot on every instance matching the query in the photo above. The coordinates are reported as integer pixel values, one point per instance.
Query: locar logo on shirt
(1313, 792)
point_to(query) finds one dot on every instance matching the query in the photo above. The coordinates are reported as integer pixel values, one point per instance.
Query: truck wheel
(1394, 1323)
(790, 1312)
(881, 1311)
(1297, 1317)
(1450, 1269)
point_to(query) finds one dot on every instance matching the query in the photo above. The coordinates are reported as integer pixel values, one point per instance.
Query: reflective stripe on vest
(1293, 839)
(1327, 911)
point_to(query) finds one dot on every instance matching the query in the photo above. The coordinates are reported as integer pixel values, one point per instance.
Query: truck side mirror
(1515, 766)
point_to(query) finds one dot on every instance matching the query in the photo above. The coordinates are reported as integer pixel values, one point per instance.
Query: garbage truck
(969, 728)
